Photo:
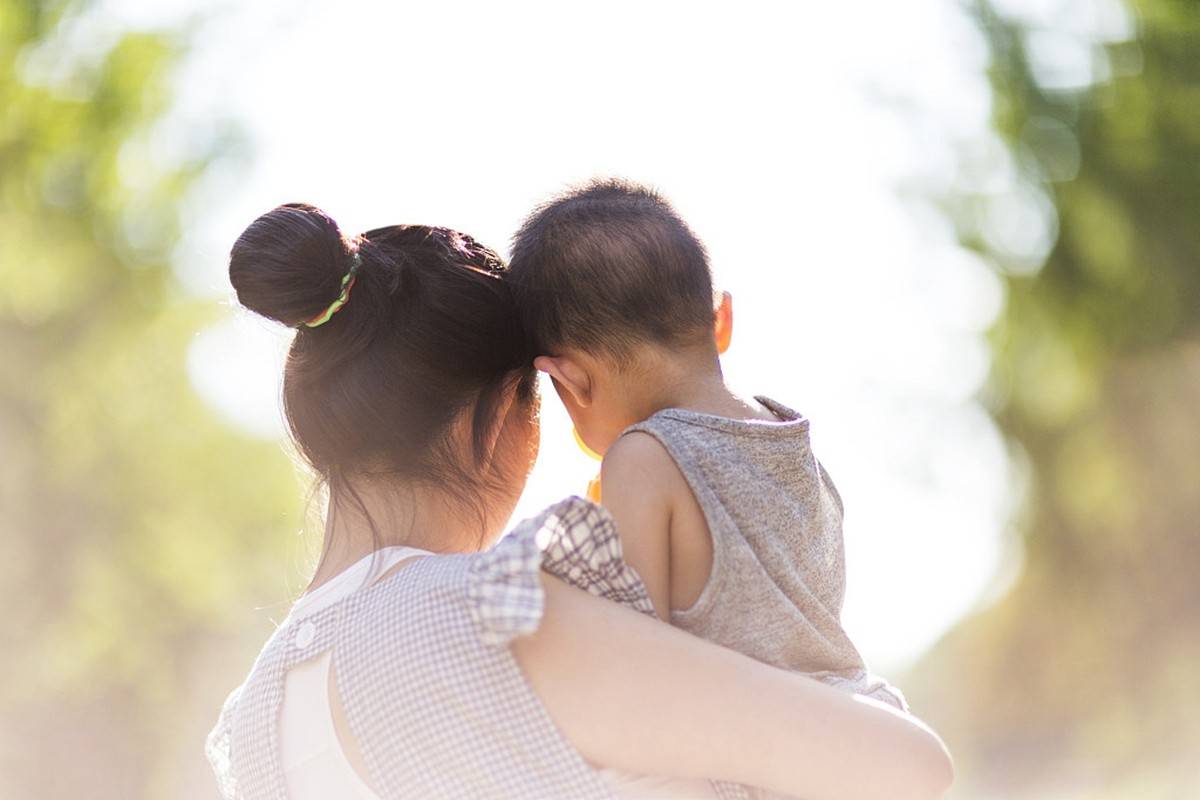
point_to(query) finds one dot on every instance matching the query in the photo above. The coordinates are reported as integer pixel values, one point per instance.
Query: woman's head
(423, 376)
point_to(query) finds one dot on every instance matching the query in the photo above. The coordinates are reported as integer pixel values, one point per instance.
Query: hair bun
(289, 263)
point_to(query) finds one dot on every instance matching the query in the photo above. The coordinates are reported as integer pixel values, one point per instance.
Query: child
(720, 504)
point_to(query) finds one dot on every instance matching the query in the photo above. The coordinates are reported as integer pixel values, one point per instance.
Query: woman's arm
(634, 694)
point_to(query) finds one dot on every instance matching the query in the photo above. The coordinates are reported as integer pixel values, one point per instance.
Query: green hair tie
(336, 305)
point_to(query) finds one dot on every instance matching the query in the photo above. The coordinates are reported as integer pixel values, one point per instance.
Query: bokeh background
(963, 237)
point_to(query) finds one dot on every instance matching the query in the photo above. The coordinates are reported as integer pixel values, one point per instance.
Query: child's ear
(570, 375)
(723, 322)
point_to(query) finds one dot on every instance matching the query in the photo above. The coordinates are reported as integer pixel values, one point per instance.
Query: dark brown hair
(608, 266)
(429, 331)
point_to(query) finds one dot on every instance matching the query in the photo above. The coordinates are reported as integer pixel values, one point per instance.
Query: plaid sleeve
(580, 546)
(574, 540)
(504, 594)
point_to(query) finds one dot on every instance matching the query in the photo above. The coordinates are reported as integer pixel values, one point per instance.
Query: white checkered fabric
(432, 693)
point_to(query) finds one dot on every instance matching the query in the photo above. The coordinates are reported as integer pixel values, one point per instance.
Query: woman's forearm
(807, 739)
(637, 695)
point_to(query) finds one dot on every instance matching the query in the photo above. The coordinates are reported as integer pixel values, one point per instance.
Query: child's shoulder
(635, 457)
(737, 417)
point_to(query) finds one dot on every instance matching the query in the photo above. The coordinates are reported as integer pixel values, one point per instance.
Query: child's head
(611, 284)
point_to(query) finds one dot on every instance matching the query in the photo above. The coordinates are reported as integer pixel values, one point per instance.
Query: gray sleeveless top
(432, 693)
(778, 575)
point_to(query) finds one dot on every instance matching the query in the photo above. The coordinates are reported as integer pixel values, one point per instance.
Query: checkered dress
(431, 690)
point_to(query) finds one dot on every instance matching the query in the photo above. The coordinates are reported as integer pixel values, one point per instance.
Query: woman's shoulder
(576, 541)
(492, 596)
(444, 623)
(499, 590)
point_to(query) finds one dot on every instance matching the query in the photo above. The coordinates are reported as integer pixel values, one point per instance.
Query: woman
(422, 662)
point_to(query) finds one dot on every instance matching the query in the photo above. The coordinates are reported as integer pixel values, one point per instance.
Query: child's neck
(688, 381)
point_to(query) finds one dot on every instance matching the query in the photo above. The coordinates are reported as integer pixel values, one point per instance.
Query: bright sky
(803, 143)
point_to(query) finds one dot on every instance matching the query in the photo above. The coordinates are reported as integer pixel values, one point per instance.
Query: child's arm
(639, 480)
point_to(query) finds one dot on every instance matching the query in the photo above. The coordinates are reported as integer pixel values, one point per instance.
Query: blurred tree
(123, 499)
(1080, 681)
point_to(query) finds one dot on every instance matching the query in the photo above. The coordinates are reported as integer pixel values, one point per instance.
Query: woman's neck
(392, 514)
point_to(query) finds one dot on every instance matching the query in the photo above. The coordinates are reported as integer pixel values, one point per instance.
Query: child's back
(777, 578)
(720, 505)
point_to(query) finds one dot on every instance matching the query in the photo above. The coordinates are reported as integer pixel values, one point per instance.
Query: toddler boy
(720, 504)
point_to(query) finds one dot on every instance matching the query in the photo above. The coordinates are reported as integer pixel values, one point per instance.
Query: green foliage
(1077, 683)
(124, 499)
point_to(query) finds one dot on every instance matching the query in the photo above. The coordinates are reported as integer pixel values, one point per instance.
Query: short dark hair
(608, 266)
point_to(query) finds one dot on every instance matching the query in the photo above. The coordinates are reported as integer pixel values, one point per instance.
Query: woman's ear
(723, 322)
(503, 409)
(569, 375)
